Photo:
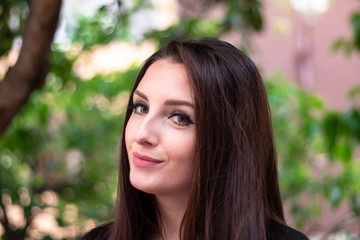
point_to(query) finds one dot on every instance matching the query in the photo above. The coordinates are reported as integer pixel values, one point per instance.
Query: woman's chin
(144, 185)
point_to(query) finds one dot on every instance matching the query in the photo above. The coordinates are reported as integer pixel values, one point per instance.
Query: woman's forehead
(165, 77)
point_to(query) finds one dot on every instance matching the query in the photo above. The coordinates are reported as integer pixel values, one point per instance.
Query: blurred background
(66, 68)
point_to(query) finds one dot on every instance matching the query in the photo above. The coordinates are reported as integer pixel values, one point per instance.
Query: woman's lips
(144, 161)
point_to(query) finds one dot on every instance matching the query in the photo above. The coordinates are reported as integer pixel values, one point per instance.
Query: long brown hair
(235, 190)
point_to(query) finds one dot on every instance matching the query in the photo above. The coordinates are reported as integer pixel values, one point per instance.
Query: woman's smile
(144, 161)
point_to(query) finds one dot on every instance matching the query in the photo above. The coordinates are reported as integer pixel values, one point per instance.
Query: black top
(99, 233)
(281, 232)
(277, 232)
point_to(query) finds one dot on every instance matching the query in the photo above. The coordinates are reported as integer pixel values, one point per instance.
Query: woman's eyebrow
(179, 102)
(168, 102)
(141, 94)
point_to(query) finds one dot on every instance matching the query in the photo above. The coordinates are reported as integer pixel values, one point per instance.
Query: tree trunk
(28, 74)
(33, 64)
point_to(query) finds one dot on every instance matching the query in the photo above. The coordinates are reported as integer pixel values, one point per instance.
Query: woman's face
(160, 134)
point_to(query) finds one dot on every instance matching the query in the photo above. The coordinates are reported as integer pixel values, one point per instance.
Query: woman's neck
(172, 211)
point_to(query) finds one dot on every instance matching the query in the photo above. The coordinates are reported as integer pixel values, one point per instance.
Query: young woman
(198, 159)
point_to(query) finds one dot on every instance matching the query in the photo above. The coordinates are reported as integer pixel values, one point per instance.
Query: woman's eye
(181, 119)
(140, 108)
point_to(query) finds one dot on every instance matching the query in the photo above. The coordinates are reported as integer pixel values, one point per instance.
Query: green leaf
(338, 44)
(331, 124)
(355, 22)
(354, 92)
(343, 151)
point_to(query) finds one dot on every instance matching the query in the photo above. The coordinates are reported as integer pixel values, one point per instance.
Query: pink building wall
(334, 74)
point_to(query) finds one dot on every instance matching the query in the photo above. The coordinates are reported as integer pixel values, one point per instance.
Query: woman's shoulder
(293, 234)
(283, 232)
(101, 232)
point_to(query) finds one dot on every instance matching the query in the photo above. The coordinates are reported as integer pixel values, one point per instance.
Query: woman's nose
(148, 131)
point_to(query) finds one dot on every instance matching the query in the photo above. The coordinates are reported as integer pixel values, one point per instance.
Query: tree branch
(33, 64)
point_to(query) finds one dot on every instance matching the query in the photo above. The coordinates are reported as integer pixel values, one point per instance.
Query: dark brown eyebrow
(179, 102)
(141, 94)
(168, 102)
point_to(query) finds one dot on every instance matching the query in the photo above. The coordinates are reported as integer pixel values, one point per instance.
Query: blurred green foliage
(65, 140)
(64, 143)
(316, 149)
(353, 44)
(12, 17)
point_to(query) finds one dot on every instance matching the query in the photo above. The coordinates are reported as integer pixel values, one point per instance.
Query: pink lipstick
(144, 161)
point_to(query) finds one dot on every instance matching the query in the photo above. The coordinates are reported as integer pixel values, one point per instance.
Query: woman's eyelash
(134, 104)
(139, 107)
(181, 118)
(178, 117)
